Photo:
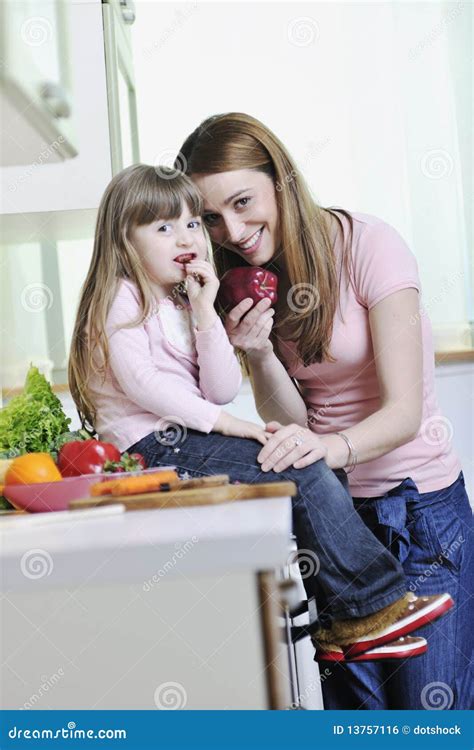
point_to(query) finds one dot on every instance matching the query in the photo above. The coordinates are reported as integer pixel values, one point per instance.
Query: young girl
(150, 368)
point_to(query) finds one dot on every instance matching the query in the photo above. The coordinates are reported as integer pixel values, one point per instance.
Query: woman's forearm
(275, 394)
(378, 434)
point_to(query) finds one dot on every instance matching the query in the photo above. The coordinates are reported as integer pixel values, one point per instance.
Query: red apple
(247, 281)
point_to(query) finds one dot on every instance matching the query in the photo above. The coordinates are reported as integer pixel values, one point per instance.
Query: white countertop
(134, 546)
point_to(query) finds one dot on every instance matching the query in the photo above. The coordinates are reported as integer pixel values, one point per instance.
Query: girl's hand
(202, 284)
(232, 426)
(251, 333)
(284, 449)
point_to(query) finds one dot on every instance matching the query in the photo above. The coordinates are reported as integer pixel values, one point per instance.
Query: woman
(348, 350)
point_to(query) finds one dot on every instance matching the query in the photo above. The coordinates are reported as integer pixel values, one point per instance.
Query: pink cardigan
(162, 368)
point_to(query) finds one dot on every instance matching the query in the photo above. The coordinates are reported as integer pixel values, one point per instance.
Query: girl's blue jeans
(354, 573)
(431, 535)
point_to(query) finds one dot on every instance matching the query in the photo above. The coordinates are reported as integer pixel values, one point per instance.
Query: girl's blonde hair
(233, 141)
(136, 196)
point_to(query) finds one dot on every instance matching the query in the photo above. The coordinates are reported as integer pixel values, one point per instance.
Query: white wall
(366, 96)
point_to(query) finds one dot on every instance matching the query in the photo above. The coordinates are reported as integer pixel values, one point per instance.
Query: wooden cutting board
(207, 495)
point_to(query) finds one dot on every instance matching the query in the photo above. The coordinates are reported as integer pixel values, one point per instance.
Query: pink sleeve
(140, 379)
(382, 264)
(220, 376)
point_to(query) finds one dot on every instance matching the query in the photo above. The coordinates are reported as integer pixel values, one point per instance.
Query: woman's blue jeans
(354, 573)
(431, 534)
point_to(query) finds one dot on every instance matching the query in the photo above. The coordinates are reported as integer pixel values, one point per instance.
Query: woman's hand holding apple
(249, 329)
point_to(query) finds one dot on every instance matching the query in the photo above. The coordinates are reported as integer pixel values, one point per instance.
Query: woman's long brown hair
(233, 141)
(138, 195)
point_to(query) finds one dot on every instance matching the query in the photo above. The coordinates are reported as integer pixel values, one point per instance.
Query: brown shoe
(418, 612)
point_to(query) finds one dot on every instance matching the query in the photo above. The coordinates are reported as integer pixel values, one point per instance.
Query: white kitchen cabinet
(35, 83)
(59, 200)
(192, 644)
(118, 16)
(161, 609)
(455, 393)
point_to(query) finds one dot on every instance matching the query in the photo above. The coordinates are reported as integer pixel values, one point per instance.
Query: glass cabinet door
(120, 84)
(35, 78)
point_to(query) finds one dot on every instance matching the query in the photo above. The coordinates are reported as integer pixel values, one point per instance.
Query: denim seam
(350, 611)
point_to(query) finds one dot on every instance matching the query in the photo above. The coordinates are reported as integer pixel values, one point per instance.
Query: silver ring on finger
(298, 441)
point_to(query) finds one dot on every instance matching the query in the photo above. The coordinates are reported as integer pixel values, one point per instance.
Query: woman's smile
(252, 243)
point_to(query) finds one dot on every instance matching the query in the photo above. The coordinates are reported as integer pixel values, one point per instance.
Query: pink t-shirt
(162, 368)
(341, 394)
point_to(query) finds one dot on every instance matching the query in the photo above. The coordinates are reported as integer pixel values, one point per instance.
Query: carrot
(135, 485)
(102, 488)
(148, 483)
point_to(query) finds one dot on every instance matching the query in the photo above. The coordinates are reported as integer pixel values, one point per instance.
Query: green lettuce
(32, 421)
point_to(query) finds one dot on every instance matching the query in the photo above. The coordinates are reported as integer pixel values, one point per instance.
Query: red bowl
(50, 496)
